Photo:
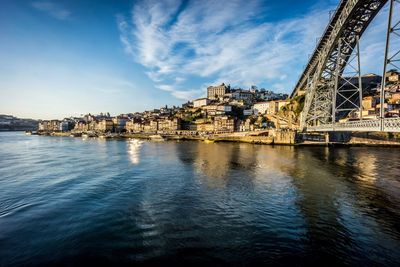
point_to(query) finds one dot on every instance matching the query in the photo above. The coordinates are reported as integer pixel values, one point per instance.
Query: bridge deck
(378, 125)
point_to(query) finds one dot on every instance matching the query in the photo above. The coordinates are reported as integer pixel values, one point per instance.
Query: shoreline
(287, 138)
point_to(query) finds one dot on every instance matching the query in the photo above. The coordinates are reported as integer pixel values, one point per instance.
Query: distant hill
(11, 123)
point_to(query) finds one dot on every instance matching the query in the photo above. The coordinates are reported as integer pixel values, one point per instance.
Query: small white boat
(156, 137)
(89, 134)
(31, 132)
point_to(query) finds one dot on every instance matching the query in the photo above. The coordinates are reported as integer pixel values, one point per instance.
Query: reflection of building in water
(370, 176)
(335, 186)
(134, 150)
(354, 162)
(320, 200)
(367, 166)
(278, 158)
(273, 164)
(213, 161)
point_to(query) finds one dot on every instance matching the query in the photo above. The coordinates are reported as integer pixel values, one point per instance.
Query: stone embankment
(254, 139)
(270, 137)
(366, 138)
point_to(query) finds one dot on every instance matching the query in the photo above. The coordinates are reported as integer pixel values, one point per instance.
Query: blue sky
(63, 58)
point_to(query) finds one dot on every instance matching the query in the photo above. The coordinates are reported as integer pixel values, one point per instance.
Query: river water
(74, 202)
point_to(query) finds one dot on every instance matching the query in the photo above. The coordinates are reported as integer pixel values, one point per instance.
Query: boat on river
(89, 134)
(156, 137)
(31, 132)
(75, 134)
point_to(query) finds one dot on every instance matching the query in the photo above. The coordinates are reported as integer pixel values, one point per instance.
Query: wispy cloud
(53, 9)
(180, 94)
(219, 41)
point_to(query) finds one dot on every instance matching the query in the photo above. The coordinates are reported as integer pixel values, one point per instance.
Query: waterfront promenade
(266, 137)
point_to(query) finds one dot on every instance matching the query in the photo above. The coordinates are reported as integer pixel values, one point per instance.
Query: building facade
(173, 124)
(133, 127)
(261, 107)
(200, 102)
(216, 92)
(242, 94)
(224, 124)
(119, 123)
(105, 125)
(275, 106)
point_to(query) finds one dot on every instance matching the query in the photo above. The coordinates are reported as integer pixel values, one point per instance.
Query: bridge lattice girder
(349, 22)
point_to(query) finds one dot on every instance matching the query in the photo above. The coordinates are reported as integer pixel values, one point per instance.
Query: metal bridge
(332, 78)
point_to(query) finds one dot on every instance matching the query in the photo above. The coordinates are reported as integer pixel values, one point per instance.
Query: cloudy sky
(63, 58)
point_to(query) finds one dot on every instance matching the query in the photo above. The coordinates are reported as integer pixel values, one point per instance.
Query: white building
(242, 94)
(261, 107)
(217, 109)
(270, 95)
(248, 112)
(224, 108)
(200, 102)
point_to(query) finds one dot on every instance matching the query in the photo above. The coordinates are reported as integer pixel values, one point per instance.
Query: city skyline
(63, 58)
(199, 132)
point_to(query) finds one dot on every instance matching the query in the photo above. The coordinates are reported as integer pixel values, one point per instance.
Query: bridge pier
(339, 137)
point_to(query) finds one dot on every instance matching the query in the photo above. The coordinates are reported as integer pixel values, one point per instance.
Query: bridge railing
(377, 125)
(391, 125)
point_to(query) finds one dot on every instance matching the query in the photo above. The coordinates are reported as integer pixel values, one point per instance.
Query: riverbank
(268, 137)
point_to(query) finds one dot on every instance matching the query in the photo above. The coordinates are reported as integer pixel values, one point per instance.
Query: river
(73, 202)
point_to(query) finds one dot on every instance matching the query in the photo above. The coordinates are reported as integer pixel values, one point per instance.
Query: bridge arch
(333, 53)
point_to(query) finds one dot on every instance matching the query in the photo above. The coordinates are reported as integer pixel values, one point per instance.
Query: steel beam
(326, 97)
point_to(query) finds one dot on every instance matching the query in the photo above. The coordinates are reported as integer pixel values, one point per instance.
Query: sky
(67, 58)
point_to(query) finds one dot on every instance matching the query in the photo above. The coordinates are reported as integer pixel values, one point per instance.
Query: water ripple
(67, 201)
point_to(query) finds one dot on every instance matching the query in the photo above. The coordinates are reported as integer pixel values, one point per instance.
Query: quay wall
(277, 137)
(365, 138)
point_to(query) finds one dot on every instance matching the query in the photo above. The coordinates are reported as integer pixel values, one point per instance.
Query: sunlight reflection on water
(134, 146)
(81, 202)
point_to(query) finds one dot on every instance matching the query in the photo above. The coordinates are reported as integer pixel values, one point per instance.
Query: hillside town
(224, 110)
(227, 110)
(12, 123)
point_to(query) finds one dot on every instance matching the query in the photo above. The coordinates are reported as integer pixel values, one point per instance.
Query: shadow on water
(348, 197)
(349, 203)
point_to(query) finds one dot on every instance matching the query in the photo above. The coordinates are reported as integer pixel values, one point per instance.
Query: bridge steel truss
(329, 90)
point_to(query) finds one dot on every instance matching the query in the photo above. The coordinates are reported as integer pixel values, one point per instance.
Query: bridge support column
(347, 98)
(360, 90)
(337, 74)
(389, 59)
